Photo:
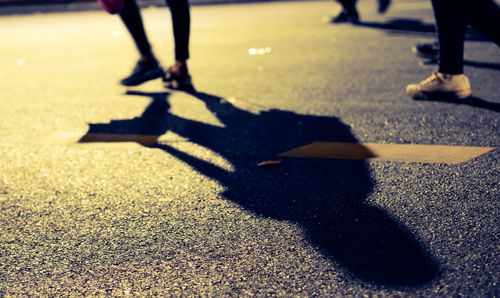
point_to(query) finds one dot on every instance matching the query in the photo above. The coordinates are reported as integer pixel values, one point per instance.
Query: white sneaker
(442, 85)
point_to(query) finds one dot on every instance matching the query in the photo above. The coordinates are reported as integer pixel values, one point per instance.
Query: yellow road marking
(145, 140)
(411, 6)
(388, 152)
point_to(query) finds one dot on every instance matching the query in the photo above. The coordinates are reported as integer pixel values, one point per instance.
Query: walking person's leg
(383, 5)
(484, 16)
(181, 22)
(450, 26)
(449, 80)
(147, 68)
(349, 13)
(177, 76)
(132, 19)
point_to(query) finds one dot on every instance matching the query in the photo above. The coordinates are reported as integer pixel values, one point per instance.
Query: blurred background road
(200, 213)
(30, 6)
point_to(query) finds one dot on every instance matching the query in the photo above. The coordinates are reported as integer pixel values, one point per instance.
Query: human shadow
(326, 198)
(144, 130)
(408, 26)
(470, 101)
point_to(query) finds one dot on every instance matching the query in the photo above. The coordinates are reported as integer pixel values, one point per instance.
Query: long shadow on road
(325, 197)
(470, 101)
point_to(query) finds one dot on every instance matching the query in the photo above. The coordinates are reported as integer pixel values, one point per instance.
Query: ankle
(180, 67)
(449, 76)
(449, 71)
(149, 59)
(350, 10)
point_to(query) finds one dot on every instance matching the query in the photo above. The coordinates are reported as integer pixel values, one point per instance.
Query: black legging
(181, 21)
(452, 17)
(349, 5)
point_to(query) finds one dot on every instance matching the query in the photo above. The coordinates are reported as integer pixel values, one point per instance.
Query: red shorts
(112, 6)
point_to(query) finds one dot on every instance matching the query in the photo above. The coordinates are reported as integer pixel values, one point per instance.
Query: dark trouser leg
(181, 21)
(348, 5)
(450, 25)
(483, 15)
(131, 17)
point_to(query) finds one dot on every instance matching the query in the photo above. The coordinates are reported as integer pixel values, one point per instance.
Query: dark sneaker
(173, 80)
(383, 5)
(427, 50)
(143, 72)
(346, 17)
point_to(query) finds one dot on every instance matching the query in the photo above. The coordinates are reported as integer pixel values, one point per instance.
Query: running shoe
(174, 80)
(346, 17)
(441, 85)
(426, 50)
(144, 71)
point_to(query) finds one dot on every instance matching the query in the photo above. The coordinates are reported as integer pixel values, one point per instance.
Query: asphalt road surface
(212, 209)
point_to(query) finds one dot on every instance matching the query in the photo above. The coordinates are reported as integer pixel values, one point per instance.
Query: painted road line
(145, 140)
(411, 6)
(388, 152)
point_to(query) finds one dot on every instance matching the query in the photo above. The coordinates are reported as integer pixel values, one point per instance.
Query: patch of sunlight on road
(389, 152)
(399, 6)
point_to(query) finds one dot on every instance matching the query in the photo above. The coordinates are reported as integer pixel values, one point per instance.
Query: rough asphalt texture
(195, 215)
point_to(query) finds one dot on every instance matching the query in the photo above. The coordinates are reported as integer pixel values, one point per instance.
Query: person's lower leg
(450, 26)
(181, 21)
(132, 19)
(349, 6)
(484, 16)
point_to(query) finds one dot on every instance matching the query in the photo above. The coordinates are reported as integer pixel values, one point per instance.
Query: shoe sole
(172, 83)
(350, 21)
(176, 85)
(148, 76)
(459, 94)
